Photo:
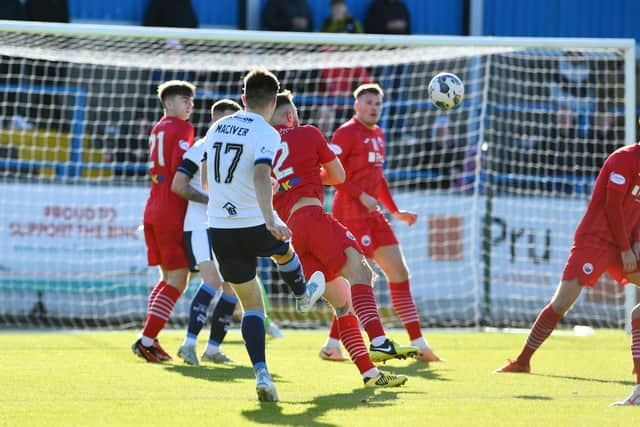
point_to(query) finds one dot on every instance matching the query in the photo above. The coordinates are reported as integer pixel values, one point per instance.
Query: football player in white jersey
(187, 184)
(239, 151)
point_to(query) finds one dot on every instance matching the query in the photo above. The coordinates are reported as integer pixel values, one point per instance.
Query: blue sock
(253, 335)
(199, 307)
(291, 273)
(221, 317)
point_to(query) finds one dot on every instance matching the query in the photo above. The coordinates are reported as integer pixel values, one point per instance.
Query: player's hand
(369, 202)
(279, 231)
(275, 185)
(636, 249)
(406, 216)
(629, 261)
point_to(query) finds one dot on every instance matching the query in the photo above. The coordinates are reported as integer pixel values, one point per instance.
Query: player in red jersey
(360, 145)
(606, 240)
(164, 214)
(303, 164)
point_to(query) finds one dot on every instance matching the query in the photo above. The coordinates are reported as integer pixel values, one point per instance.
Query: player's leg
(338, 295)
(331, 349)
(199, 254)
(168, 246)
(290, 269)
(253, 334)
(235, 251)
(357, 271)
(392, 262)
(634, 397)
(220, 321)
(565, 296)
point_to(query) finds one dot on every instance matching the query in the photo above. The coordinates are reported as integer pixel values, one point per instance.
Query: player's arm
(615, 191)
(181, 184)
(332, 173)
(387, 201)
(636, 242)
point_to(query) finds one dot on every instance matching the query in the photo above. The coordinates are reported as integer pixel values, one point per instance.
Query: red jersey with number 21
(620, 172)
(296, 166)
(168, 141)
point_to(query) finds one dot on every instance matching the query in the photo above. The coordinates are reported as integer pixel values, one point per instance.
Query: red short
(373, 231)
(320, 241)
(589, 263)
(165, 246)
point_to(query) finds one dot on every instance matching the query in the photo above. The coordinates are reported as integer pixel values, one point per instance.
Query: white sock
(189, 341)
(371, 373)
(378, 340)
(212, 349)
(146, 341)
(332, 342)
(421, 343)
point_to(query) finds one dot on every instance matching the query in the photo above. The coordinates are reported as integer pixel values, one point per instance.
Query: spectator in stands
(13, 10)
(339, 83)
(287, 15)
(387, 17)
(574, 89)
(444, 152)
(47, 10)
(170, 13)
(340, 21)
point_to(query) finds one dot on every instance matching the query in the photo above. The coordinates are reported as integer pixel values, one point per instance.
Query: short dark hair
(224, 105)
(175, 87)
(260, 87)
(373, 88)
(284, 98)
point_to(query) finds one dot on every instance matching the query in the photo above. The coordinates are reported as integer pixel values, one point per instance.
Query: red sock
(635, 347)
(353, 342)
(405, 308)
(540, 331)
(160, 310)
(334, 332)
(154, 292)
(364, 304)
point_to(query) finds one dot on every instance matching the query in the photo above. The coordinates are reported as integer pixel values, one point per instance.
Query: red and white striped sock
(353, 342)
(154, 292)
(635, 347)
(405, 308)
(364, 304)
(160, 310)
(540, 331)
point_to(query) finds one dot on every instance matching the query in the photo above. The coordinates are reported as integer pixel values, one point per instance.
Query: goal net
(499, 183)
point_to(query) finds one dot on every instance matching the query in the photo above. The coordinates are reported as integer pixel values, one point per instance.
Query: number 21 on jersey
(159, 141)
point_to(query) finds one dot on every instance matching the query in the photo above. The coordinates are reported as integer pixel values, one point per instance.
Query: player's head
(222, 108)
(259, 92)
(177, 98)
(368, 103)
(286, 112)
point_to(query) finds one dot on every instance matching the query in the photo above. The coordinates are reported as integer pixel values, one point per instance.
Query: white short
(198, 248)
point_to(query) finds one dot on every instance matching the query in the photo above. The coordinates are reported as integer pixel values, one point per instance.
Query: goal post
(499, 183)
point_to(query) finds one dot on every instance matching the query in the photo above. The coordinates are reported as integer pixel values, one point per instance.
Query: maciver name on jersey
(231, 130)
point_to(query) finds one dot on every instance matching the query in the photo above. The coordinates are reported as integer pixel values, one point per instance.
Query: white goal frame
(627, 45)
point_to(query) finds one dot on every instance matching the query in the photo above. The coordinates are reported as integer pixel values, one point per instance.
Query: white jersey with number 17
(233, 146)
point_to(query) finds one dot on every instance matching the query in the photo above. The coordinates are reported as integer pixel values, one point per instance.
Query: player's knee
(635, 312)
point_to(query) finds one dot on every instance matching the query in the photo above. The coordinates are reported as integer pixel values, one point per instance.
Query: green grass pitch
(92, 378)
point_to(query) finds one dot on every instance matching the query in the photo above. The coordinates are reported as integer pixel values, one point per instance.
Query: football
(446, 90)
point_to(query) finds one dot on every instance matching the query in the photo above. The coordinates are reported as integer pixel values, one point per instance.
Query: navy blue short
(237, 250)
